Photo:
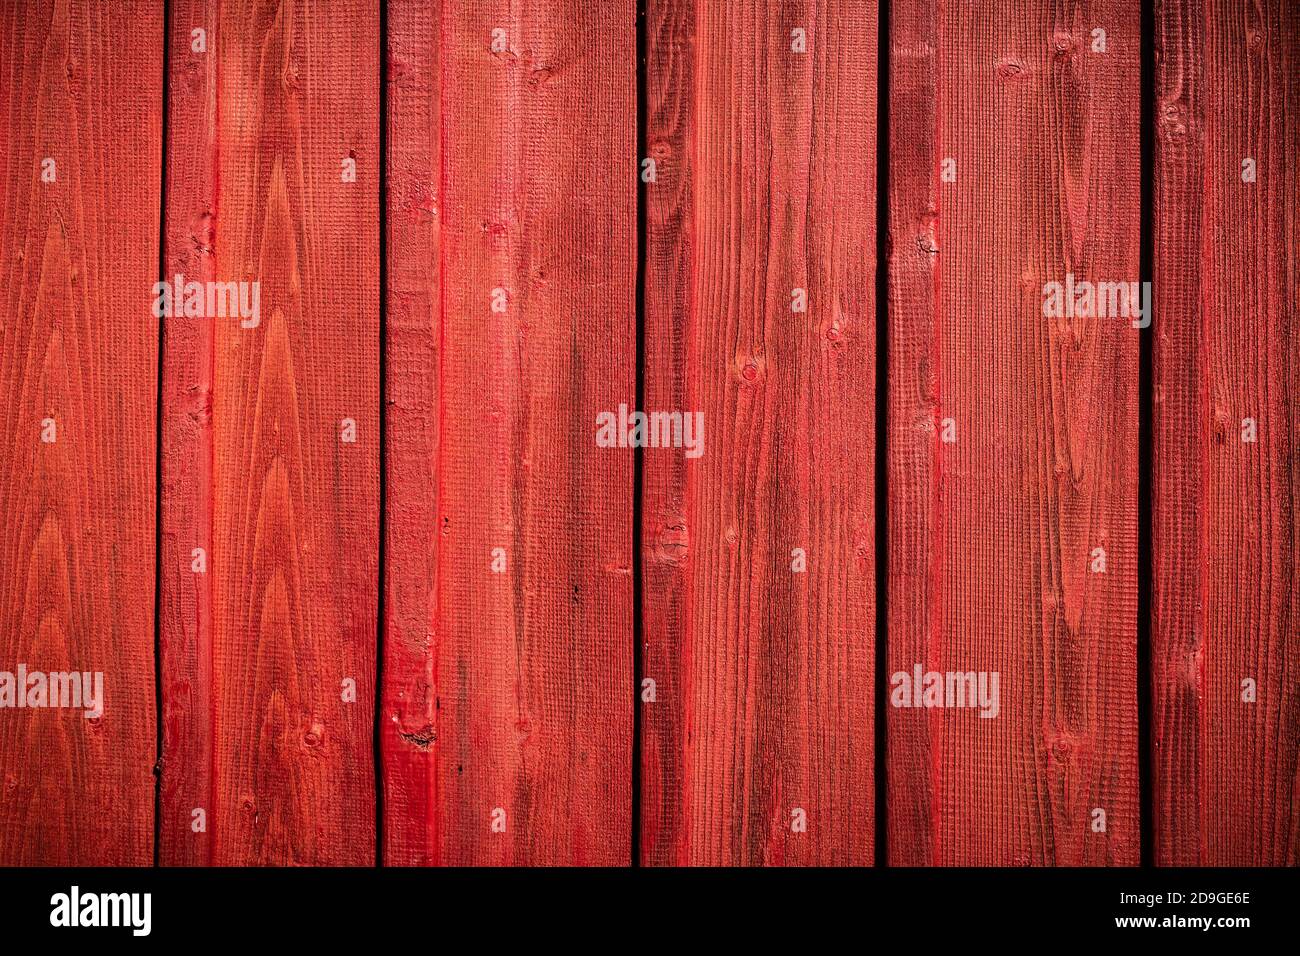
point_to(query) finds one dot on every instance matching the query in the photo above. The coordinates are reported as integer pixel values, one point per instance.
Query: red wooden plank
(185, 605)
(413, 405)
(1013, 436)
(1227, 355)
(285, 758)
(82, 88)
(508, 693)
(765, 183)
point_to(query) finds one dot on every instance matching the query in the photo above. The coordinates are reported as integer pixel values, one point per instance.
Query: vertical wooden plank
(294, 503)
(764, 671)
(82, 88)
(185, 605)
(667, 320)
(413, 405)
(1013, 435)
(508, 675)
(1227, 370)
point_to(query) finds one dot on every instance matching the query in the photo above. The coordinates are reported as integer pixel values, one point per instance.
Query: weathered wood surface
(759, 554)
(506, 723)
(80, 175)
(269, 666)
(1013, 436)
(1226, 589)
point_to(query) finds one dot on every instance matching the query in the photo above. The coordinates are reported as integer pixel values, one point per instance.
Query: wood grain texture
(514, 170)
(1225, 536)
(81, 85)
(991, 535)
(185, 605)
(508, 640)
(764, 676)
(287, 763)
(413, 406)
